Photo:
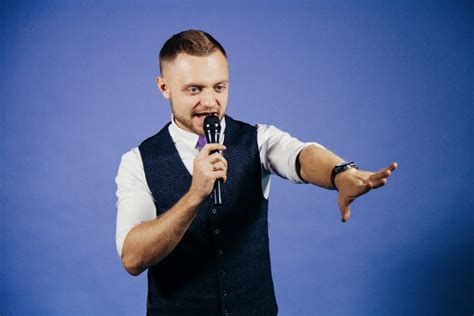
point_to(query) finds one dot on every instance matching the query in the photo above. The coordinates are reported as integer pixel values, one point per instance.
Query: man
(204, 259)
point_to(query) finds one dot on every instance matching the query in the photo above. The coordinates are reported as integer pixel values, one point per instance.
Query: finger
(344, 208)
(380, 175)
(220, 174)
(216, 157)
(378, 183)
(219, 166)
(206, 150)
(379, 179)
(384, 173)
(369, 186)
(389, 168)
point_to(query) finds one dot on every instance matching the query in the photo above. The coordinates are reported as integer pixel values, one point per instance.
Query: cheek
(223, 99)
(185, 103)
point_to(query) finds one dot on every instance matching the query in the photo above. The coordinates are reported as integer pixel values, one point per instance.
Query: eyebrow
(197, 85)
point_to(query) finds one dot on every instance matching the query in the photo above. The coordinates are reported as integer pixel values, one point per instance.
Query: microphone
(212, 130)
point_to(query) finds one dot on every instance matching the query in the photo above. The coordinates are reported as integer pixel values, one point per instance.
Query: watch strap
(341, 168)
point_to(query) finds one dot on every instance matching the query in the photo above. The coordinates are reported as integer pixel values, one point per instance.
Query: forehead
(198, 69)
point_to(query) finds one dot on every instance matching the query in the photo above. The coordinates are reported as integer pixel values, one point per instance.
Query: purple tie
(201, 142)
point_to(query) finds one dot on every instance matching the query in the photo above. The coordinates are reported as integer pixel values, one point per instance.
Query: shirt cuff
(294, 177)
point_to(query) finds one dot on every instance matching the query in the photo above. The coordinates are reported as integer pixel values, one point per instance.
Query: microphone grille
(212, 122)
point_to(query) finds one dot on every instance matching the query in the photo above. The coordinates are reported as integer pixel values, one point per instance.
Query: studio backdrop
(373, 81)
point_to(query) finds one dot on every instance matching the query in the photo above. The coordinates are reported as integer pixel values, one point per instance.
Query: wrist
(340, 170)
(195, 197)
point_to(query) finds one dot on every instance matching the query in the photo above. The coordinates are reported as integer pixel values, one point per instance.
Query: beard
(193, 120)
(187, 123)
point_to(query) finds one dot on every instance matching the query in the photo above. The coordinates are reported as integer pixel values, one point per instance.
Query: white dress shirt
(278, 153)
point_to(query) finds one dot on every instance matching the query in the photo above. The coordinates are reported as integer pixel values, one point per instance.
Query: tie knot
(201, 142)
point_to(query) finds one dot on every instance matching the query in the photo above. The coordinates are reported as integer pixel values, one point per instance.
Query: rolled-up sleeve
(279, 150)
(135, 203)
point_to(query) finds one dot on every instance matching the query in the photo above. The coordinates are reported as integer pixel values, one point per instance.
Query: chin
(198, 130)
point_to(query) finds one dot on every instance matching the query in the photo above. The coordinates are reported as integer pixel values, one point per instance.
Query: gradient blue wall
(374, 81)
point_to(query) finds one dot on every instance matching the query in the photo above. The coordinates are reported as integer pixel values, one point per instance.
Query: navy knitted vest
(222, 264)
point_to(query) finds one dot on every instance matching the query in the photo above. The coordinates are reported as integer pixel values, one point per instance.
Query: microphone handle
(216, 192)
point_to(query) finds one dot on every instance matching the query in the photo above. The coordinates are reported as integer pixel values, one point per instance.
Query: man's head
(190, 42)
(194, 77)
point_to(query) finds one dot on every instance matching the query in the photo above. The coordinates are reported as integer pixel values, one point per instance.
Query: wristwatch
(341, 168)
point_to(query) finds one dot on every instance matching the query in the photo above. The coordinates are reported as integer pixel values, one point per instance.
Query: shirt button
(221, 252)
(217, 231)
(222, 272)
(224, 293)
(214, 211)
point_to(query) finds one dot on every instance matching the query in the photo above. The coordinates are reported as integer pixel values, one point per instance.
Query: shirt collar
(189, 139)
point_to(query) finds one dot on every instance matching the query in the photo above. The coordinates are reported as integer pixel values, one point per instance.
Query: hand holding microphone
(210, 167)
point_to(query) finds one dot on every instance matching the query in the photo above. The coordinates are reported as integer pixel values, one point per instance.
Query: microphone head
(212, 122)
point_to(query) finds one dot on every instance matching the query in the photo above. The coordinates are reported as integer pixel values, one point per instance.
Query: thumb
(344, 208)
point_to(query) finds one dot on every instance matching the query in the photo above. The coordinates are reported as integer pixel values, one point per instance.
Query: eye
(220, 87)
(194, 90)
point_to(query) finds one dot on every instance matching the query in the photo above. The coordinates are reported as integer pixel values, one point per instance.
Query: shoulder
(265, 128)
(233, 124)
(131, 159)
(152, 139)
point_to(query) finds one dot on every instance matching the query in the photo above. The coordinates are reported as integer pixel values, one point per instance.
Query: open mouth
(203, 115)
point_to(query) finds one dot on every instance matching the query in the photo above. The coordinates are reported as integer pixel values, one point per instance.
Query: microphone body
(212, 131)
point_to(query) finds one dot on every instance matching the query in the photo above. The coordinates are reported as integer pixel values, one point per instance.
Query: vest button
(224, 293)
(217, 231)
(214, 211)
(222, 272)
(221, 252)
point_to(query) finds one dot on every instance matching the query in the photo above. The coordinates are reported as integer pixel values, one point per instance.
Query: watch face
(342, 165)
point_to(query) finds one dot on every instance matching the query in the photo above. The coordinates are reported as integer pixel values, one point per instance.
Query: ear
(163, 86)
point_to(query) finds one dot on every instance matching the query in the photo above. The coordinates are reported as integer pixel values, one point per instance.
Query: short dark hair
(191, 42)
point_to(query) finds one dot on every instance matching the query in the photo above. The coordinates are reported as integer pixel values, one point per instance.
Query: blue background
(373, 81)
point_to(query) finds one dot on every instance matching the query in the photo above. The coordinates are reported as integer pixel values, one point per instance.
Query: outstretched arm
(315, 165)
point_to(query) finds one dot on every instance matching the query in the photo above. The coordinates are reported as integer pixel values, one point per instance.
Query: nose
(208, 99)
